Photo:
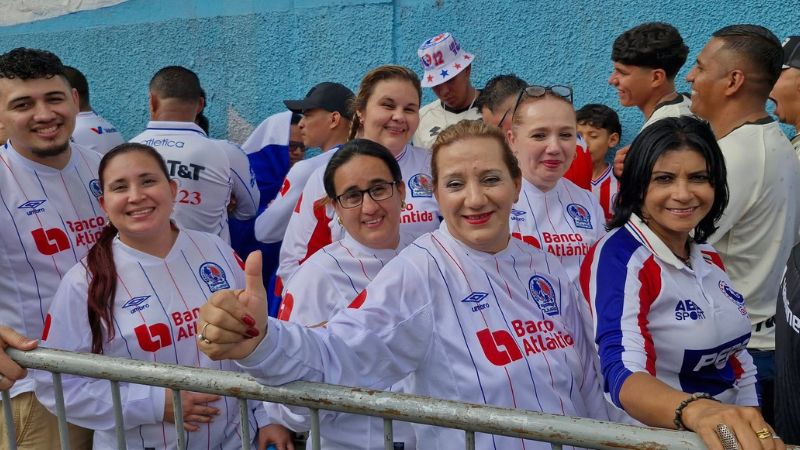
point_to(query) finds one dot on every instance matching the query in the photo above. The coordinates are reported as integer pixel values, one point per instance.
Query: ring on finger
(764, 433)
(202, 335)
(727, 437)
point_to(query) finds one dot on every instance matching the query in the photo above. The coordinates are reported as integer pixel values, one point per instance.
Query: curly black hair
(30, 64)
(656, 45)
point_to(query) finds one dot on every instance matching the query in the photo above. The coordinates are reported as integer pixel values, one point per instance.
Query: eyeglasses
(536, 91)
(503, 119)
(296, 145)
(379, 191)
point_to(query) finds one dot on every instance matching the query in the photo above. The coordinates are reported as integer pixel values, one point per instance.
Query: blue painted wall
(252, 54)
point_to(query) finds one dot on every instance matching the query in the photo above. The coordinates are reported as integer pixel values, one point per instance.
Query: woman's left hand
(233, 322)
(746, 424)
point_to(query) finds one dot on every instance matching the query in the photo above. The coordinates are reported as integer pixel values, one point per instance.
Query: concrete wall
(252, 54)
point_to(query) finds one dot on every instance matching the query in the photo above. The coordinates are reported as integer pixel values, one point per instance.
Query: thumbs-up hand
(233, 322)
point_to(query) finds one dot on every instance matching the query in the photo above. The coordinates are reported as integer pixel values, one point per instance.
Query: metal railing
(469, 417)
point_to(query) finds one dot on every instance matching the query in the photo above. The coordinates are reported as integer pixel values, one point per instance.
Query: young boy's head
(599, 125)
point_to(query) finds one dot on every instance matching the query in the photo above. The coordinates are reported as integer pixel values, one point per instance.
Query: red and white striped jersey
(606, 187)
(208, 171)
(685, 325)
(155, 312)
(497, 329)
(564, 221)
(313, 224)
(50, 219)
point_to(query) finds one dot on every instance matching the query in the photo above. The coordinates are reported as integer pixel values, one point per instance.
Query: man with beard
(50, 218)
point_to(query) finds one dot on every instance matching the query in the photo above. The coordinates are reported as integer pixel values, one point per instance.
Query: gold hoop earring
(402, 205)
(339, 220)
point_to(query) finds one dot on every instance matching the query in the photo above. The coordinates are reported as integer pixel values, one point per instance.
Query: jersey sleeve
(621, 290)
(312, 296)
(309, 228)
(351, 350)
(271, 224)
(245, 189)
(88, 401)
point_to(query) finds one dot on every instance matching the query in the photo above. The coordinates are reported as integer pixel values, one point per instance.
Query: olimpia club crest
(213, 276)
(543, 294)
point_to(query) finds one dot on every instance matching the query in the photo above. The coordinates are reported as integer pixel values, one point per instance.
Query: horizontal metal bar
(410, 408)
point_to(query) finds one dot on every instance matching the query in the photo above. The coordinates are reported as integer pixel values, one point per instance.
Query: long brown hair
(100, 259)
(367, 87)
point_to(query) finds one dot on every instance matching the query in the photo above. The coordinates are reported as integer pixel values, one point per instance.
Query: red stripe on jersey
(713, 258)
(650, 279)
(605, 200)
(285, 186)
(278, 286)
(285, 310)
(321, 236)
(47, 322)
(736, 365)
(299, 201)
(585, 276)
(530, 240)
(359, 300)
(238, 260)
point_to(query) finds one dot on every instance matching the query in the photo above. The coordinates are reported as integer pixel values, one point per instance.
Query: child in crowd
(601, 129)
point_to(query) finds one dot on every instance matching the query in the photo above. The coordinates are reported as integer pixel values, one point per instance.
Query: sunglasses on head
(536, 91)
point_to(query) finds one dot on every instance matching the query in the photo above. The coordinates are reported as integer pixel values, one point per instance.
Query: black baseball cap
(791, 52)
(328, 96)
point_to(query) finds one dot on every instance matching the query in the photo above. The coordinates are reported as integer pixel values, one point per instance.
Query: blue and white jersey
(208, 171)
(324, 285)
(50, 218)
(564, 221)
(95, 132)
(496, 329)
(685, 325)
(271, 224)
(155, 312)
(313, 224)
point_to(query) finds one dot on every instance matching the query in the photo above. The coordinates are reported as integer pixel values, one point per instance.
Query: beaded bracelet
(679, 410)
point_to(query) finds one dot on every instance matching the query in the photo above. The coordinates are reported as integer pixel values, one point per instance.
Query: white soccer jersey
(651, 313)
(313, 224)
(606, 187)
(50, 218)
(95, 132)
(155, 312)
(433, 118)
(761, 222)
(497, 329)
(680, 106)
(564, 221)
(324, 285)
(208, 171)
(796, 144)
(271, 224)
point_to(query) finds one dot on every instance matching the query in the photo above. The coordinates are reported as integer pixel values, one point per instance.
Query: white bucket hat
(442, 58)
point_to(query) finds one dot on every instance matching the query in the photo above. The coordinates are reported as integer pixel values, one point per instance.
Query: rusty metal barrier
(471, 418)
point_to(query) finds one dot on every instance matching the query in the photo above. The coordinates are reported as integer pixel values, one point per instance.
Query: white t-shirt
(433, 118)
(564, 221)
(50, 218)
(271, 224)
(761, 222)
(155, 312)
(207, 171)
(496, 329)
(324, 285)
(651, 313)
(679, 106)
(314, 224)
(95, 133)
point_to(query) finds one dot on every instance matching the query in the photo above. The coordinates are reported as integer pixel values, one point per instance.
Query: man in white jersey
(731, 80)
(91, 130)
(646, 60)
(208, 170)
(786, 93)
(50, 215)
(447, 69)
(325, 125)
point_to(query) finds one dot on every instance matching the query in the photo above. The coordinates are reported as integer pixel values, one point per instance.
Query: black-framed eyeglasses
(503, 119)
(378, 191)
(297, 145)
(536, 91)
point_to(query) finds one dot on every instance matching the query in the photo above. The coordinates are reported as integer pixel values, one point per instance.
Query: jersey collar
(642, 233)
(161, 125)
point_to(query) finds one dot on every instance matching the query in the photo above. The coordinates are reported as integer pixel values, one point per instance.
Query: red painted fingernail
(252, 332)
(248, 320)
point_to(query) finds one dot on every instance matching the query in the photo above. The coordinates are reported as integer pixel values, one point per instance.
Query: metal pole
(315, 439)
(9, 418)
(177, 407)
(61, 412)
(118, 424)
(388, 435)
(244, 424)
